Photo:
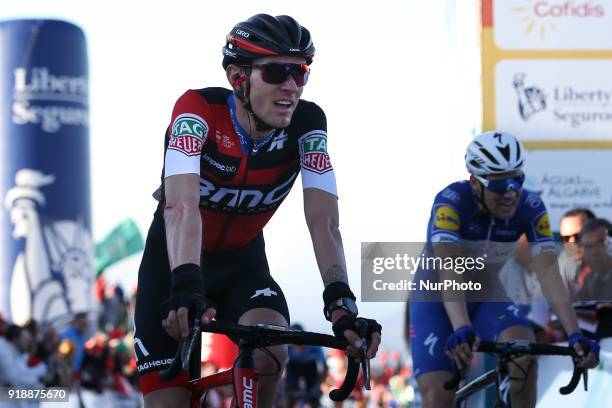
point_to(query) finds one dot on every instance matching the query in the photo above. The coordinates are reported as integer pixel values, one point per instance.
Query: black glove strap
(186, 278)
(187, 290)
(333, 292)
(336, 290)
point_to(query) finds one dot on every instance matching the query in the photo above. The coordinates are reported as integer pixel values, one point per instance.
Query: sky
(398, 80)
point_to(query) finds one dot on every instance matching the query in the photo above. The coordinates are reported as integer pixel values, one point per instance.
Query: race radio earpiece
(238, 81)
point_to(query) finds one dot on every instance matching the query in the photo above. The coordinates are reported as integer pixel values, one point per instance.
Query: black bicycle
(506, 353)
(242, 376)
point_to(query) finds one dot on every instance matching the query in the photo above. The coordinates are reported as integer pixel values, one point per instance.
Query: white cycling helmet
(494, 153)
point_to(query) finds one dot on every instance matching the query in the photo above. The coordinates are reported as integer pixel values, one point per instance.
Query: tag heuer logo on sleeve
(188, 134)
(313, 148)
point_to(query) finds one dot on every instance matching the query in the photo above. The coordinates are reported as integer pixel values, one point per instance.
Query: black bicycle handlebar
(264, 336)
(519, 347)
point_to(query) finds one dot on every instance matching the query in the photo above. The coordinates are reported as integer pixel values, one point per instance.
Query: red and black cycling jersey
(242, 181)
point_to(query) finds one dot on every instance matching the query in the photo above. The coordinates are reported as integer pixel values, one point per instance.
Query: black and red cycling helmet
(264, 35)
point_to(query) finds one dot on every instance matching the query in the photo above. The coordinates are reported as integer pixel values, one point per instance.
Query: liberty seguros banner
(46, 252)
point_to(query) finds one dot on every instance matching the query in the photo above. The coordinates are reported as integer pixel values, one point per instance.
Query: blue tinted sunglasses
(500, 186)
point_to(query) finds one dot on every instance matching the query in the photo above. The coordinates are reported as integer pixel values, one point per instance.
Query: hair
(13, 332)
(32, 326)
(585, 212)
(596, 224)
(80, 315)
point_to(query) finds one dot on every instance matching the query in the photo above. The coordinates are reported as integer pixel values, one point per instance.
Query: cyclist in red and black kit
(231, 157)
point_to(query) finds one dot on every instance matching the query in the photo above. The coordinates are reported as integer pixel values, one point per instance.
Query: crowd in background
(585, 264)
(101, 361)
(312, 372)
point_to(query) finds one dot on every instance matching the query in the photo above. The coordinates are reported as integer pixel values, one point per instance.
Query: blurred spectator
(14, 370)
(119, 369)
(114, 309)
(570, 259)
(131, 307)
(100, 288)
(59, 367)
(594, 242)
(32, 326)
(337, 362)
(76, 333)
(3, 325)
(305, 370)
(402, 392)
(94, 372)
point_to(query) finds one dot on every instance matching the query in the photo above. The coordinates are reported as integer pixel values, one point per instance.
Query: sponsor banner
(552, 24)
(571, 179)
(46, 251)
(569, 44)
(554, 99)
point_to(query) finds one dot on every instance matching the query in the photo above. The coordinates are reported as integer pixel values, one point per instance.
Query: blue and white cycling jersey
(456, 217)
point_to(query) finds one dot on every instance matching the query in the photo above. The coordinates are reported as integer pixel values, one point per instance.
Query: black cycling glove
(347, 322)
(187, 290)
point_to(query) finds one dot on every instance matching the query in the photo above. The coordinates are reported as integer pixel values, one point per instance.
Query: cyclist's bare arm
(557, 294)
(554, 290)
(321, 212)
(454, 303)
(455, 306)
(182, 219)
(183, 237)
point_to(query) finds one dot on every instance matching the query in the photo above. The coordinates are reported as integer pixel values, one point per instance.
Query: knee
(271, 363)
(167, 397)
(434, 396)
(524, 368)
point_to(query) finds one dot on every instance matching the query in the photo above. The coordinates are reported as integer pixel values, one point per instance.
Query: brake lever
(187, 347)
(362, 330)
(365, 366)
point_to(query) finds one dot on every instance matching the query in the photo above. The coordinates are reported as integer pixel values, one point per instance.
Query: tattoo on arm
(335, 273)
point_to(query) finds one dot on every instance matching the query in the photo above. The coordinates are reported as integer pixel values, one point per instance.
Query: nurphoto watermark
(467, 271)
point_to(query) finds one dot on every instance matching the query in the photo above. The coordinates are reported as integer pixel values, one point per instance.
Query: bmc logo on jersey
(313, 149)
(244, 200)
(446, 218)
(188, 133)
(543, 226)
